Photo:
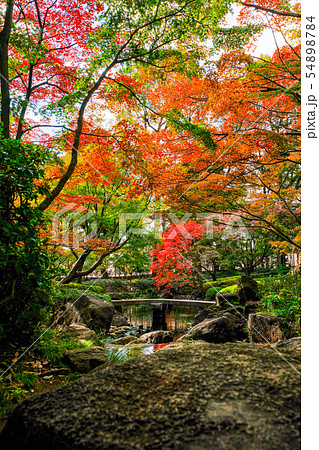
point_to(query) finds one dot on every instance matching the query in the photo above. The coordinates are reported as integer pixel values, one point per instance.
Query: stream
(146, 318)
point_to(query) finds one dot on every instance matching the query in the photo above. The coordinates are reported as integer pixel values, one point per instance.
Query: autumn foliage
(150, 105)
(172, 258)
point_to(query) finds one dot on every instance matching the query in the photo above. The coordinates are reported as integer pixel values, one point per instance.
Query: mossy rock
(247, 290)
(209, 396)
(229, 289)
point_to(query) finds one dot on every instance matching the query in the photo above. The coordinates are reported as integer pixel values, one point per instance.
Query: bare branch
(272, 11)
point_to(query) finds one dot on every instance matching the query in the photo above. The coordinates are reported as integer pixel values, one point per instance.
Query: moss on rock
(225, 396)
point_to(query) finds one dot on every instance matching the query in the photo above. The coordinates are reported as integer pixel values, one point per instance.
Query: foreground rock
(90, 311)
(157, 337)
(119, 320)
(124, 340)
(228, 396)
(235, 315)
(289, 344)
(80, 332)
(85, 359)
(212, 330)
(263, 328)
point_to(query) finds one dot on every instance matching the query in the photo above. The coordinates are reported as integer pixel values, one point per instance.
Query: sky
(266, 44)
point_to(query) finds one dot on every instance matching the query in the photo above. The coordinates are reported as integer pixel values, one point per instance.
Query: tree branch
(270, 10)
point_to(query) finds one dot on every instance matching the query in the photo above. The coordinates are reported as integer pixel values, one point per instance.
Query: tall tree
(63, 53)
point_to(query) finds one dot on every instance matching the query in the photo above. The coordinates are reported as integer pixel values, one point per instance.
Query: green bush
(281, 297)
(108, 283)
(129, 295)
(222, 282)
(144, 284)
(28, 379)
(52, 345)
(211, 293)
(10, 396)
(89, 288)
(63, 295)
(229, 289)
(229, 281)
(24, 263)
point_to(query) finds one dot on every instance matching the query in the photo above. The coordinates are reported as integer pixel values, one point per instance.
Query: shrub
(52, 345)
(144, 284)
(63, 295)
(230, 289)
(129, 295)
(93, 288)
(222, 282)
(109, 283)
(281, 297)
(211, 293)
(24, 263)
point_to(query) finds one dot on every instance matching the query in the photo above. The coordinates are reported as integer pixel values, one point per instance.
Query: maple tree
(57, 62)
(63, 53)
(174, 259)
(228, 138)
(193, 131)
(135, 258)
(187, 255)
(274, 7)
(231, 142)
(103, 189)
(60, 62)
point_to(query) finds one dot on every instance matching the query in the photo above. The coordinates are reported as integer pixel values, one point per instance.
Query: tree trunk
(4, 70)
(77, 267)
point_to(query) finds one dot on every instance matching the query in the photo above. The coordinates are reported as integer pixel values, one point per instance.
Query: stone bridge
(163, 301)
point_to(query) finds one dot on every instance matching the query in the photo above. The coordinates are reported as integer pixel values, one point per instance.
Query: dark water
(157, 317)
(152, 317)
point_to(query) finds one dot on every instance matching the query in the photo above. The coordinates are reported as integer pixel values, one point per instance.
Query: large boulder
(235, 315)
(239, 322)
(124, 340)
(207, 313)
(85, 359)
(157, 337)
(182, 344)
(80, 332)
(88, 310)
(212, 330)
(247, 290)
(263, 328)
(228, 396)
(289, 344)
(119, 320)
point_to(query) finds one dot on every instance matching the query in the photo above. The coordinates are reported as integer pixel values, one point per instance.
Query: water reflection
(160, 317)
